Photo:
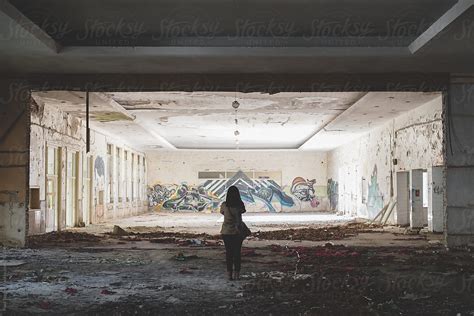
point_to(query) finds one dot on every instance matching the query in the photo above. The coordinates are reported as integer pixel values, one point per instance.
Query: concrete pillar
(459, 133)
(14, 162)
(436, 199)
(417, 212)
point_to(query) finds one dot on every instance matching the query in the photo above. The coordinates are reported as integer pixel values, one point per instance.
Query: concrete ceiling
(169, 36)
(206, 120)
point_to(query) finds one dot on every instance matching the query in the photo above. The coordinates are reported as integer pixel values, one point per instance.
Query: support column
(416, 199)
(459, 173)
(14, 162)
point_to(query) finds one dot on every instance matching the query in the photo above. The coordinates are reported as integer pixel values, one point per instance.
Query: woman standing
(232, 209)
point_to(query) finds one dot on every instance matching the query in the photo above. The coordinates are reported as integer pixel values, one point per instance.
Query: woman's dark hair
(233, 198)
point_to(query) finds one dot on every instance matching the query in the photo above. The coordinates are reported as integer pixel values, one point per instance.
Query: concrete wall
(362, 174)
(297, 180)
(51, 127)
(459, 172)
(14, 156)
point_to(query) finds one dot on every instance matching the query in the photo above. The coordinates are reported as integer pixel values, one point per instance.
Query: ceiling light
(235, 104)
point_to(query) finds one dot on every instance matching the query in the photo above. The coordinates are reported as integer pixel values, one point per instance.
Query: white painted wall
(414, 139)
(171, 168)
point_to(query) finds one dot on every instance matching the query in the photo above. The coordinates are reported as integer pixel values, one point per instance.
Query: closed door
(403, 200)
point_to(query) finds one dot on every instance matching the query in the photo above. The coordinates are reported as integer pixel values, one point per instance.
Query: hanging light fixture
(236, 105)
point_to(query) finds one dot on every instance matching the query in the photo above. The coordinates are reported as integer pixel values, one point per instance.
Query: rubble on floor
(183, 273)
(61, 237)
(335, 232)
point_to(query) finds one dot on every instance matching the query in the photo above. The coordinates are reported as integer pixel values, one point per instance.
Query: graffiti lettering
(183, 197)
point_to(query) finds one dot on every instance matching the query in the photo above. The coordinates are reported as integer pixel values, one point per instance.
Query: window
(110, 172)
(118, 174)
(87, 187)
(134, 194)
(52, 163)
(139, 178)
(71, 189)
(126, 176)
(144, 188)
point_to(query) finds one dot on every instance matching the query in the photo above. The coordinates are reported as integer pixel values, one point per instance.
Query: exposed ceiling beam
(153, 132)
(301, 147)
(22, 21)
(116, 106)
(94, 51)
(145, 125)
(441, 24)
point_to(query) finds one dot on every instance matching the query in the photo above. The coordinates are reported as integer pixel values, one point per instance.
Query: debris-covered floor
(352, 268)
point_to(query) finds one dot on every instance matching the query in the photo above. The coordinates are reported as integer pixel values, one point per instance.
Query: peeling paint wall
(364, 171)
(54, 128)
(14, 156)
(300, 183)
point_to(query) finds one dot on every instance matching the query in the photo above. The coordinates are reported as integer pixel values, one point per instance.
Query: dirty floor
(349, 268)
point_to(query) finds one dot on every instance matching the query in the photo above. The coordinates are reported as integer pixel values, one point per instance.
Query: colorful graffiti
(211, 193)
(182, 197)
(375, 197)
(333, 194)
(251, 190)
(304, 191)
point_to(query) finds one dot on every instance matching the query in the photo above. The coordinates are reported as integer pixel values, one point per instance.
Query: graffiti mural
(251, 190)
(182, 197)
(304, 191)
(333, 194)
(375, 197)
(211, 193)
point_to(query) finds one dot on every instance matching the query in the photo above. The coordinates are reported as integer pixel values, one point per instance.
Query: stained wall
(363, 173)
(53, 128)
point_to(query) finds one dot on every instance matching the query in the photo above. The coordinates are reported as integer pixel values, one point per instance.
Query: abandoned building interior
(347, 127)
(356, 154)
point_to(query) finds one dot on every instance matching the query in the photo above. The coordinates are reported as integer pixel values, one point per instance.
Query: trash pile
(61, 237)
(317, 234)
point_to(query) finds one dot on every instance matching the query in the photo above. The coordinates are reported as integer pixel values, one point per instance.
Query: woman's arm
(222, 208)
(238, 217)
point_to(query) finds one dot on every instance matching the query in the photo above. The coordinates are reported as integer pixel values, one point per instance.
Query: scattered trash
(241, 294)
(11, 263)
(317, 234)
(62, 237)
(107, 292)
(185, 271)
(173, 300)
(181, 257)
(249, 252)
(70, 290)
(44, 305)
(119, 231)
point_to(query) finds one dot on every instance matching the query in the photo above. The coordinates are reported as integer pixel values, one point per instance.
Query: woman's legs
(237, 252)
(229, 251)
